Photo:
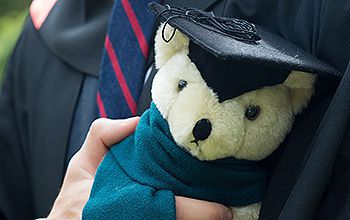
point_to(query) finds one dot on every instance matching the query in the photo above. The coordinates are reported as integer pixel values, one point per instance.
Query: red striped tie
(124, 61)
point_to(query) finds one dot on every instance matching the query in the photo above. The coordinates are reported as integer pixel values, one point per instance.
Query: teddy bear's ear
(163, 50)
(301, 87)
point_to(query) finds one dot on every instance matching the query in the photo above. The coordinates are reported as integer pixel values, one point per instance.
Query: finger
(187, 208)
(103, 134)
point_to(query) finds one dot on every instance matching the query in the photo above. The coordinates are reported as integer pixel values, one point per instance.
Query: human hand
(81, 170)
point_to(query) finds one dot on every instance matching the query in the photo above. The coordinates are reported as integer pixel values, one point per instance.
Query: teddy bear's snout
(201, 130)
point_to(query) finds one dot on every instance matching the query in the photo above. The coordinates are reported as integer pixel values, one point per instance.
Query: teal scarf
(140, 176)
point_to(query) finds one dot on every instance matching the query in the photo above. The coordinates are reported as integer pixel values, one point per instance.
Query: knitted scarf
(139, 177)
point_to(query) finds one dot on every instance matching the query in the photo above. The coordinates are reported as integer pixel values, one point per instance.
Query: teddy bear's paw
(250, 212)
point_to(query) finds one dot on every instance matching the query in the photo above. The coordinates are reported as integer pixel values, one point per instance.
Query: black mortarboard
(235, 56)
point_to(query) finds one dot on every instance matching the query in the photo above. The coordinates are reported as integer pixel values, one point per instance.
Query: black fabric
(336, 201)
(317, 26)
(85, 113)
(13, 171)
(314, 177)
(75, 32)
(229, 78)
(145, 97)
(36, 104)
(294, 153)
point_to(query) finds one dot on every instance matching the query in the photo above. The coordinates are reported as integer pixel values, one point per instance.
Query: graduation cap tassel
(237, 29)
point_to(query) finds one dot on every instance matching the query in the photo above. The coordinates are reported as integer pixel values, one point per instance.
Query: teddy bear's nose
(202, 129)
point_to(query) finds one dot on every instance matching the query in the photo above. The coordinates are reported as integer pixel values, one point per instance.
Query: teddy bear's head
(250, 126)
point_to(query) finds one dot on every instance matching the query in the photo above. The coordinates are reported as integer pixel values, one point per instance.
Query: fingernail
(228, 215)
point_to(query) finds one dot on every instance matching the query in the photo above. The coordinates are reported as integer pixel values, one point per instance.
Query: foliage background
(12, 16)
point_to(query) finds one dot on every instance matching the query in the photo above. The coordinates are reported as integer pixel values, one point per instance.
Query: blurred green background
(12, 16)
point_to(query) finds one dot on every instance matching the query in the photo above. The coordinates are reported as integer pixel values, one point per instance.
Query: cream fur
(302, 88)
(165, 50)
(232, 134)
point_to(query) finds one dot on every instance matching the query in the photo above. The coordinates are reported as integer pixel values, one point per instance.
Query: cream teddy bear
(250, 126)
(196, 140)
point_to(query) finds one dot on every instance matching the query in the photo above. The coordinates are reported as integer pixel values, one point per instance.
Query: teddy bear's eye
(252, 112)
(182, 84)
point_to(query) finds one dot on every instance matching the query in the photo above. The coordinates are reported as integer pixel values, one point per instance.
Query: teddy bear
(195, 140)
(249, 127)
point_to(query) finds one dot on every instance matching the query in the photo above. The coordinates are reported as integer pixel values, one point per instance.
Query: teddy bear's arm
(250, 212)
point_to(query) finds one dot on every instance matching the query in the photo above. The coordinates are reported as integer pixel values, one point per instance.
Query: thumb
(102, 135)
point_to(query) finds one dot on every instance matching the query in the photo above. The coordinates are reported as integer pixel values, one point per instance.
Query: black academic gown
(45, 75)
